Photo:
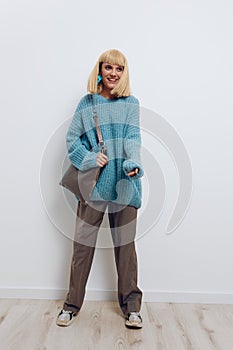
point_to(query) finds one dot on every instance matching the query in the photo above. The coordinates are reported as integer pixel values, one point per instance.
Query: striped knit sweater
(120, 126)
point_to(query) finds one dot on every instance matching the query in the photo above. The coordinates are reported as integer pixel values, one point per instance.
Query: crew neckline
(106, 98)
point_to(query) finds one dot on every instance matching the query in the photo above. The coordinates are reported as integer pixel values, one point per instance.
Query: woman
(118, 187)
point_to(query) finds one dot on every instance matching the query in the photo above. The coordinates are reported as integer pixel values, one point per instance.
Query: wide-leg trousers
(122, 222)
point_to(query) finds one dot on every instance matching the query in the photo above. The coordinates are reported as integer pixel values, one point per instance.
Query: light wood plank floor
(30, 325)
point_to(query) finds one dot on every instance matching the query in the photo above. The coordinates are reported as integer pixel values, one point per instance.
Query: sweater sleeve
(132, 142)
(78, 154)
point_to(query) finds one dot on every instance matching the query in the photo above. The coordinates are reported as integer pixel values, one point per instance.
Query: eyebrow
(109, 64)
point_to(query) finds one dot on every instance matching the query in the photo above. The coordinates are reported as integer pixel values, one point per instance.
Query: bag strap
(97, 125)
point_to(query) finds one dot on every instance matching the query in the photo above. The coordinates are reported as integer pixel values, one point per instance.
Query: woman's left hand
(133, 172)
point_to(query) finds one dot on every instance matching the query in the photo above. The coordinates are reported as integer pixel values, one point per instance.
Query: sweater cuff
(130, 165)
(89, 161)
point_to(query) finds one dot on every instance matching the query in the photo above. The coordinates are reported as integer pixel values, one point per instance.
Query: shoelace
(65, 313)
(134, 316)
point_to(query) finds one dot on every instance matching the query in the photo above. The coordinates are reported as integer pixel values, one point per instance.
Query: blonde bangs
(112, 57)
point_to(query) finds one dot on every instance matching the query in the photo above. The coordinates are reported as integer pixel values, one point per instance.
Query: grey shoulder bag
(82, 183)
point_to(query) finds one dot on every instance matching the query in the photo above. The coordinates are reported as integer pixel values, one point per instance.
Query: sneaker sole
(133, 325)
(63, 324)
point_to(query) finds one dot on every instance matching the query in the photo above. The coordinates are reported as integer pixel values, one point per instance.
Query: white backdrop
(180, 56)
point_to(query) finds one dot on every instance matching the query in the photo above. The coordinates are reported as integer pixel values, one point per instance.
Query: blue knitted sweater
(120, 126)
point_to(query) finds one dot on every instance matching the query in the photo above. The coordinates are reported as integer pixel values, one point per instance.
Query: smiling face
(111, 74)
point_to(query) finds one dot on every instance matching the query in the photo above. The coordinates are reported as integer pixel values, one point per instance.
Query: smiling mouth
(112, 80)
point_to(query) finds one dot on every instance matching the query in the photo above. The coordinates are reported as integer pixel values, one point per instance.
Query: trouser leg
(88, 221)
(123, 230)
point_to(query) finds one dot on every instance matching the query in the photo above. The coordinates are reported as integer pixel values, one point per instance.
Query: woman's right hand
(101, 159)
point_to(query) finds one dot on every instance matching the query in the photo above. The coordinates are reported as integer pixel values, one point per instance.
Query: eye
(108, 67)
(120, 69)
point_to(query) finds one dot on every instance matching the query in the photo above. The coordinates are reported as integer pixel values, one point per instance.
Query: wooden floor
(30, 325)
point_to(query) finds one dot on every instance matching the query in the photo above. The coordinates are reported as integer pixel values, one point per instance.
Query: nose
(113, 72)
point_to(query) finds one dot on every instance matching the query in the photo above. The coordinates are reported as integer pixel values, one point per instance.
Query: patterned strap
(97, 125)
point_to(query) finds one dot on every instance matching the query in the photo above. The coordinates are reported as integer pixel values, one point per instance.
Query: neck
(106, 93)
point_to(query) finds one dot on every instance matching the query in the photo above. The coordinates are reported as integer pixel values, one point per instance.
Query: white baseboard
(188, 297)
(111, 295)
(53, 294)
(31, 293)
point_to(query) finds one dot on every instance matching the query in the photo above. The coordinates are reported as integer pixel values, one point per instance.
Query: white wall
(180, 56)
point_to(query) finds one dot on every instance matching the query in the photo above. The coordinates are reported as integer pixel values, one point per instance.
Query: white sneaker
(133, 320)
(65, 318)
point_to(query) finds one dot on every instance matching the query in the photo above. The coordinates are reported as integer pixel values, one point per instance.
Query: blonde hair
(112, 57)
